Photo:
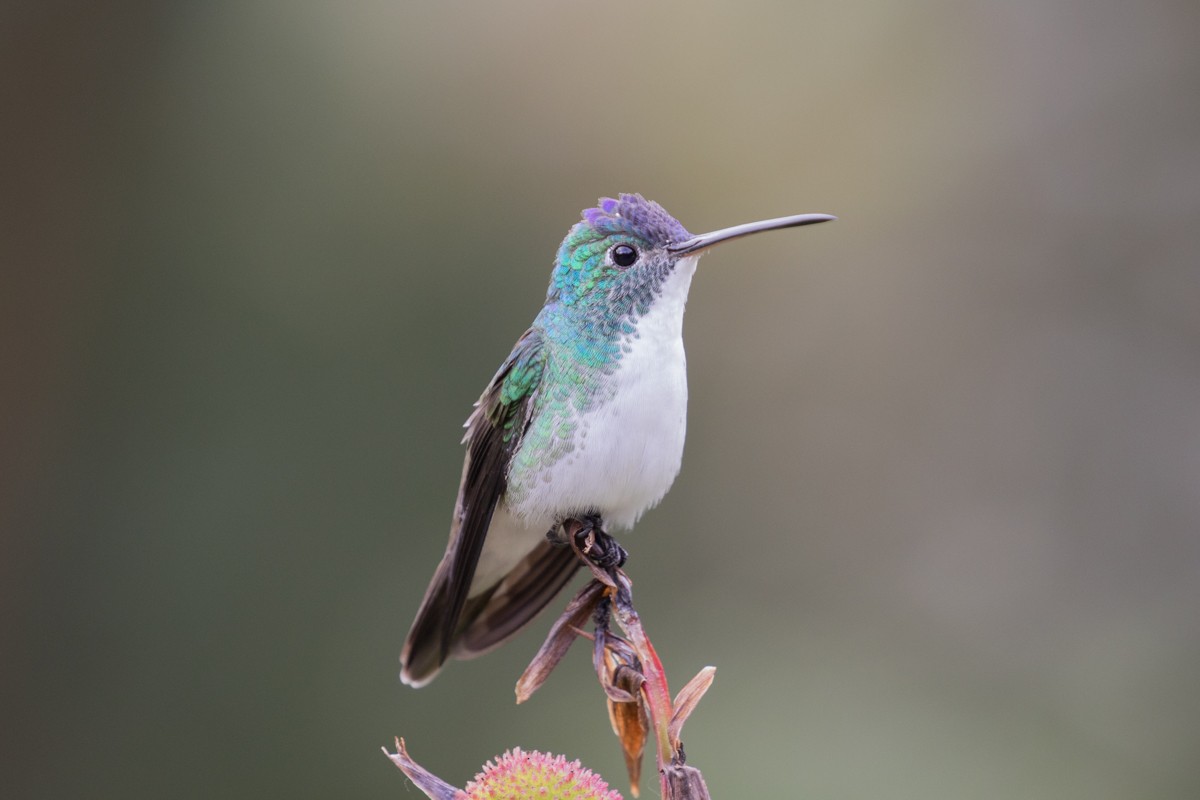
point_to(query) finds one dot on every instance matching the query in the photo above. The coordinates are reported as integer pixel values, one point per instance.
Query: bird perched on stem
(584, 420)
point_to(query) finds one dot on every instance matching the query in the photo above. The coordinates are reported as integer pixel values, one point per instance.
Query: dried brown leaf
(609, 654)
(629, 719)
(433, 786)
(559, 640)
(681, 782)
(621, 679)
(686, 700)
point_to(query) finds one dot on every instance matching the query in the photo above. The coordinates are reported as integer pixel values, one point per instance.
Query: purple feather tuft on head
(635, 215)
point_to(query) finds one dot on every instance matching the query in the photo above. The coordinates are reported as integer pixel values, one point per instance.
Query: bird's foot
(591, 540)
(587, 536)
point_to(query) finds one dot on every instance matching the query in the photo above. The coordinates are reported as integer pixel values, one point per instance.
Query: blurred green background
(938, 524)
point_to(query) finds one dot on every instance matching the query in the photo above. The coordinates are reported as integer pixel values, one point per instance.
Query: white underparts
(628, 449)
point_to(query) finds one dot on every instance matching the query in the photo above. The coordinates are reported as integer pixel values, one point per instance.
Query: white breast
(630, 447)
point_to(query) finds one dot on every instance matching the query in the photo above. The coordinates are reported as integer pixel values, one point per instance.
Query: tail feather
(487, 619)
(427, 646)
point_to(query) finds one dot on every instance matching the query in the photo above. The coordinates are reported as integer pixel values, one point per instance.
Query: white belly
(629, 448)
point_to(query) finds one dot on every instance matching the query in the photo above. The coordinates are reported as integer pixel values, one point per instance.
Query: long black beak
(706, 240)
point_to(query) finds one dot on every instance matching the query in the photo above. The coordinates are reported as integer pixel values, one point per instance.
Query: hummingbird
(585, 419)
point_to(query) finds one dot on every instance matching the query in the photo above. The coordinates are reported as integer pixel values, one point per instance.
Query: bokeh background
(938, 524)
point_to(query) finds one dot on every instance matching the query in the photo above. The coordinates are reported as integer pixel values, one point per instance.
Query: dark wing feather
(447, 621)
(514, 601)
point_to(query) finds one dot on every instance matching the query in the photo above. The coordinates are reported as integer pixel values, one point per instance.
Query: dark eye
(624, 256)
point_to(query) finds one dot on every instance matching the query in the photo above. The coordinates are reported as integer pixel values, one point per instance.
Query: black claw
(613, 555)
(599, 546)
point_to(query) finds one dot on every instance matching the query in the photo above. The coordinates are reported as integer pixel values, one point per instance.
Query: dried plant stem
(658, 696)
(633, 678)
(630, 672)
